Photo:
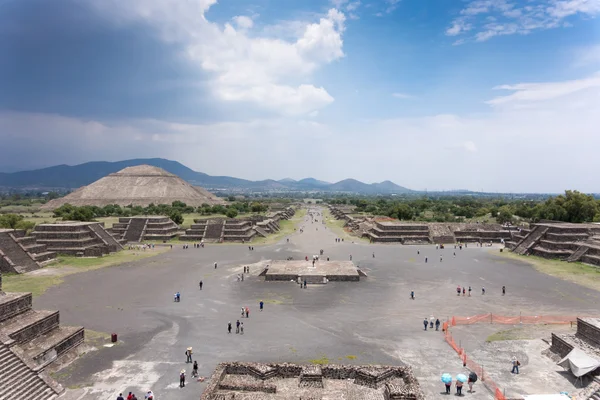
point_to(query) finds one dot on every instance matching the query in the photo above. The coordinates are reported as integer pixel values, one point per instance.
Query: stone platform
(322, 272)
(292, 381)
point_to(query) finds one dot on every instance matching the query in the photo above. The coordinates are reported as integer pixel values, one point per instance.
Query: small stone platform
(322, 271)
(292, 381)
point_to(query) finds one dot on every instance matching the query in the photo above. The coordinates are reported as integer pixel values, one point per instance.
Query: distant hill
(73, 177)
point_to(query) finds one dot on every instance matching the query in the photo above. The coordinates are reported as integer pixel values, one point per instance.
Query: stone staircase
(19, 382)
(260, 231)
(109, 239)
(530, 240)
(214, 230)
(135, 230)
(16, 257)
(577, 254)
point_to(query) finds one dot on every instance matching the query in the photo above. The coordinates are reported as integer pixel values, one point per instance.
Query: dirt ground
(368, 322)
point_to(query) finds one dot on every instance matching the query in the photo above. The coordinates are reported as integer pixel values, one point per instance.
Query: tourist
(471, 381)
(459, 386)
(464, 291)
(188, 354)
(440, 258)
(247, 312)
(469, 291)
(243, 311)
(373, 254)
(454, 254)
(215, 265)
(178, 297)
(431, 322)
(149, 396)
(437, 324)
(305, 284)
(458, 290)
(134, 397)
(120, 396)
(182, 378)
(437, 246)
(242, 328)
(482, 290)
(175, 297)
(515, 366)
(130, 396)
(261, 305)
(229, 327)
(237, 326)
(200, 284)
(503, 290)
(425, 323)
(195, 369)
(418, 252)
(412, 294)
(448, 386)
(425, 260)
(350, 257)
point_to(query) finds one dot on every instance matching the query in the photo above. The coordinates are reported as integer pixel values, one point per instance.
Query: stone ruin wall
(588, 331)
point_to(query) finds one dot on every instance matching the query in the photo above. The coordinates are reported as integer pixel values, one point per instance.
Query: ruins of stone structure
(379, 230)
(283, 381)
(565, 241)
(20, 253)
(236, 230)
(86, 239)
(322, 272)
(137, 229)
(141, 185)
(30, 341)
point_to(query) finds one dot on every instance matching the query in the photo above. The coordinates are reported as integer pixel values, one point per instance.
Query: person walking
(425, 260)
(120, 396)
(243, 312)
(470, 291)
(412, 295)
(229, 327)
(464, 290)
(188, 354)
(515, 366)
(459, 386)
(200, 284)
(437, 324)
(503, 290)
(237, 326)
(195, 369)
(215, 265)
(261, 305)
(242, 328)
(247, 312)
(425, 323)
(482, 290)
(130, 396)
(182, 378)
(471, 381)
(448, 386)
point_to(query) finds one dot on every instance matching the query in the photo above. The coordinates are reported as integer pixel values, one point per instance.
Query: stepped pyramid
(141, 185)
(30, 340)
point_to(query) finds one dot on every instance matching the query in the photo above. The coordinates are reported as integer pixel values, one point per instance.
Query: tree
(10, 221)
(505, 214)
(176, 216)
(231, 198)
(231, 212)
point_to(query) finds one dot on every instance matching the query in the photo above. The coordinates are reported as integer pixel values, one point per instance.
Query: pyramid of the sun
(141, 185)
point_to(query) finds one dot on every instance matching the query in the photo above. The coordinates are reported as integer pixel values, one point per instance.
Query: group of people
(239, 326)
(430, 322)
(132, 396)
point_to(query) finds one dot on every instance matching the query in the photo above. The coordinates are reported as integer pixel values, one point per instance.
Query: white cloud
(269, 72)
(399, 95)
(559, 116)
(587, 56)
(489, 18)
(243, 22)
(536, 92)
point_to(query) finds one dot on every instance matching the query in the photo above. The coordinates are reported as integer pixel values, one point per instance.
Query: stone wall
(588, 331)
(560, 346)
(15, 306)
(36, 329)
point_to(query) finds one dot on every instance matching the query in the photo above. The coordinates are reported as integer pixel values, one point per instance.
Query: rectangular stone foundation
(295, 270)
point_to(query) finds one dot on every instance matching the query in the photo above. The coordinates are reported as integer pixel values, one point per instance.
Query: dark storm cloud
(59, 57)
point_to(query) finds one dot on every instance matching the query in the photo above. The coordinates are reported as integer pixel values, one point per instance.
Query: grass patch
(351, 357)
(582, 274)
(337, 226)
(38, 282)
(320, 361)
(510, 334)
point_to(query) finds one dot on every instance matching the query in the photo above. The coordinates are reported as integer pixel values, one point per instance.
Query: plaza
(372, 321)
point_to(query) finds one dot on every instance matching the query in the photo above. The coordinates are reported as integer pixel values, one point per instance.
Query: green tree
(10, 221)
(505, 214)
(176, 216)
(231, 212)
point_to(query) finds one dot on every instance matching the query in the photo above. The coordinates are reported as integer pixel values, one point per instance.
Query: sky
(491, 95)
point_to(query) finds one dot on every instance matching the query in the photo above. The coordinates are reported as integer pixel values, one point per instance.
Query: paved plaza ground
(372, 321)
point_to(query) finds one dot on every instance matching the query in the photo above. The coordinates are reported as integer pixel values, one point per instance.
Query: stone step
(44, 256)
(29, 325)
(13, 304)
(18, 382)
(27, 240)
(46, 348)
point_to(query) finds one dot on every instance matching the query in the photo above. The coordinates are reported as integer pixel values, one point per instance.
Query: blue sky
(428, 94)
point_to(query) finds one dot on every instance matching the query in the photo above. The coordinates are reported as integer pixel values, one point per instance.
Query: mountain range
(72, 177)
